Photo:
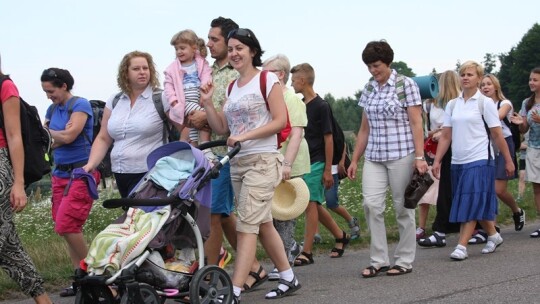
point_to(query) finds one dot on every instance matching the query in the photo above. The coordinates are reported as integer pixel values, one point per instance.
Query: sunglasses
(50, 73)
(239, 32)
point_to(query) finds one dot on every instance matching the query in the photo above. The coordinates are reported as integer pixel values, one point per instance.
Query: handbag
(417, 187)
(347, 164)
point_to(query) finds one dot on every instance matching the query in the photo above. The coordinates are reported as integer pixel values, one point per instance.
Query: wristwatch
(419, 158)
(286, 163)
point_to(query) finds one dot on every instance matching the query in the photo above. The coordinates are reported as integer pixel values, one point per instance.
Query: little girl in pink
(183, 79)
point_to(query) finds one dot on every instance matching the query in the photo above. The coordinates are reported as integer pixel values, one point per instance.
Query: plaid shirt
(390, 135)
(221, 78)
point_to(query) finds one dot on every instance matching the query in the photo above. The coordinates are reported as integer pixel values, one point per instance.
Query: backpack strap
(2, 78)
(229, 88)
(262, 84)
(505, 119)
(116, 99)
(428, 108)
(158, 104)
(400, 88)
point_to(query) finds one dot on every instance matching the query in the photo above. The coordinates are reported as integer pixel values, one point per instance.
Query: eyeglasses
(239, 32)
(50, 73)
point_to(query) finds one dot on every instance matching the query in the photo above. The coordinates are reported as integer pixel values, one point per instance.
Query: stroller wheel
(210, 284)
(94, 294)
(148, 295)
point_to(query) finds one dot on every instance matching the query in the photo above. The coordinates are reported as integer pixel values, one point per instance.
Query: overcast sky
(89, 38)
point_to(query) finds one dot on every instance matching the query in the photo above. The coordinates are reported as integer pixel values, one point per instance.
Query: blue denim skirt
(473, 189)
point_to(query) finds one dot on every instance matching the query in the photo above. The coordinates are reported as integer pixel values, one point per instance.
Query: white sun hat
(291, 198)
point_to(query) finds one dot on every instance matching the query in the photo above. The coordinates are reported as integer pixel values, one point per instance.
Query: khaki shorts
(254, 178)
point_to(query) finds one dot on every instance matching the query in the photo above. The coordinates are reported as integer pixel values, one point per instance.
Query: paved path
(510, 275)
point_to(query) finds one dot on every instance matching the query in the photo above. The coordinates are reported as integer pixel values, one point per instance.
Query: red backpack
(283, 134)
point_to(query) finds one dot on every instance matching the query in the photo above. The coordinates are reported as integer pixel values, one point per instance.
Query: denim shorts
(332, 199)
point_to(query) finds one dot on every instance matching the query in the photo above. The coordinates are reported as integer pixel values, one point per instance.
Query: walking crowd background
(234, 99)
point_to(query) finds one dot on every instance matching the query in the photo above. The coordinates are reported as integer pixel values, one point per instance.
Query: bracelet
(286, 163)
(420, 158)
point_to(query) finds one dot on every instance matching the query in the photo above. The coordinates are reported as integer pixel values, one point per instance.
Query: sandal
(258, 280)
(479, 237)
(535, 234)
(373, 272)
(293, 285)
(400, 270)
(304, 259)
(344, 240)
(440, 241)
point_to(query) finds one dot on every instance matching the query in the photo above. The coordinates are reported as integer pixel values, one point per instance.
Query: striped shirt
(390, 135)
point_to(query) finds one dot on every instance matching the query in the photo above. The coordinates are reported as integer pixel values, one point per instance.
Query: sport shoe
(273, 275)
(295, 251)
(519, 219)
(460, 253)
(355, 229)
(493, 242)
(420, 233)
(224, 258)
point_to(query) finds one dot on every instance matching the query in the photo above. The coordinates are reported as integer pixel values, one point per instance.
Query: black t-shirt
(319, 123)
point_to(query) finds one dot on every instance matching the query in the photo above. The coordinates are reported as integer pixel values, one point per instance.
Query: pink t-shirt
(8, 90)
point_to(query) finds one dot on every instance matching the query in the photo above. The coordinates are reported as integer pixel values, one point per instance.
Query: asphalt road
(510, 275)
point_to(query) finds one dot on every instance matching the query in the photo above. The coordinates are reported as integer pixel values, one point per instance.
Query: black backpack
(516, 135)
(36, 139)
(338, 137)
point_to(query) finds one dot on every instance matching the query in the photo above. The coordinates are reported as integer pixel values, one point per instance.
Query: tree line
(514, 71)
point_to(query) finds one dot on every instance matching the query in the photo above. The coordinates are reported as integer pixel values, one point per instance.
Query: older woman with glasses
(257, 169)
(70, 121)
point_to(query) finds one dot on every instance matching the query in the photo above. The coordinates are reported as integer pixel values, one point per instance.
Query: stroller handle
(214, 172)
(137, 202)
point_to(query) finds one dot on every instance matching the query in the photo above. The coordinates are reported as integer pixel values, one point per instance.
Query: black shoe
(68, 292)
(519, 220)
(440, 241)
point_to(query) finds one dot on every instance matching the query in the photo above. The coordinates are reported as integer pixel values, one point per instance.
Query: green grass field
(49, 253)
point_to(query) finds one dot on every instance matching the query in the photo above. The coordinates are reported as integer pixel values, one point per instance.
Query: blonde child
(183, 79)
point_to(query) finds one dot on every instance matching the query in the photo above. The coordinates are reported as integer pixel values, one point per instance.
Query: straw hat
(291, 198)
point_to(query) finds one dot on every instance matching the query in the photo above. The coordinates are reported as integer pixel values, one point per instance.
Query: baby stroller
(168, 210)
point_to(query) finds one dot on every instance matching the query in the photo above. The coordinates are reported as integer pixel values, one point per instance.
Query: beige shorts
(254, 178)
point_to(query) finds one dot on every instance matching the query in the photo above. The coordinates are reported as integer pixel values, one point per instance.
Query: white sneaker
(493, 242)
(273, 275)
(460, 253)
